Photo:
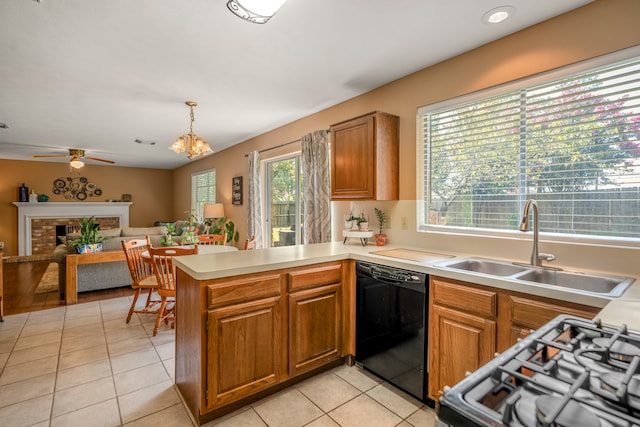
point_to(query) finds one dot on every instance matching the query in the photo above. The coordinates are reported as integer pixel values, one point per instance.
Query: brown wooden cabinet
(468, 323)
(527, 313)
(240, 336)
(462, 331)
(315, 318)
(365, 158)
(244, 345)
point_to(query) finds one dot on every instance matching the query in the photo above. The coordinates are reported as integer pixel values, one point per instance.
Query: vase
(381, 239)
(89, 248)
(363, 226)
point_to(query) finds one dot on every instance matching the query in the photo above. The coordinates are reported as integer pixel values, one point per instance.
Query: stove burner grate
(570, 372)
(556, 411)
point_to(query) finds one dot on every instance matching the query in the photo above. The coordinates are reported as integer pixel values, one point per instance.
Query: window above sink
(565, 139)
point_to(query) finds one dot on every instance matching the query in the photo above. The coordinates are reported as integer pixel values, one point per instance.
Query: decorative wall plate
(75, 188)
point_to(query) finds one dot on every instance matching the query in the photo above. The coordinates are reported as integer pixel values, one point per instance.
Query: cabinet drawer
(467, 298)
(533, 314)
(246, 289)
(312, 277)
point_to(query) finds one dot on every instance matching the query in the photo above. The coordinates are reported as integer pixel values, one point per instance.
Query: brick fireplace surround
(37, 221)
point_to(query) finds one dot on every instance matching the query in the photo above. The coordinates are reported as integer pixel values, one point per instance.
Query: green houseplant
(382, 219)
(221, 226)
(89, 241)
(167, 240)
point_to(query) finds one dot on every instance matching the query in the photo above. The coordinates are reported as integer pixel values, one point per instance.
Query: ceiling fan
(76, 155)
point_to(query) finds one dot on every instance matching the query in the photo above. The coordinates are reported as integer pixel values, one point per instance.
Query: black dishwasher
(391, 325)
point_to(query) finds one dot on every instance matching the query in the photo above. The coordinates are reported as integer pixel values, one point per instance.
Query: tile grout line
(55, 382)
(113, 379)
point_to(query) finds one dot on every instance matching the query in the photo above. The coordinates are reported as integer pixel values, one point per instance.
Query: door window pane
(283, 184)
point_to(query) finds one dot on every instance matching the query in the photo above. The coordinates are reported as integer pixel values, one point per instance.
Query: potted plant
(381, 217)
(221, 226)
(167, 240)
(363, 223)
(89, 241)
(350, 221)
(190, 233)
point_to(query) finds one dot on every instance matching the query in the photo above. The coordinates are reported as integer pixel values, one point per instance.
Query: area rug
(49, 281)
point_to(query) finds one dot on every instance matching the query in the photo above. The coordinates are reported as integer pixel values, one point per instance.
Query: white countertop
(212, 266)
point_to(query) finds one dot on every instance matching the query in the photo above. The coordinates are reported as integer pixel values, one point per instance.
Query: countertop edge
(214, 266)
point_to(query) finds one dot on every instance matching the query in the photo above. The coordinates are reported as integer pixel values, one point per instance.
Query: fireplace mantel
(27, 211)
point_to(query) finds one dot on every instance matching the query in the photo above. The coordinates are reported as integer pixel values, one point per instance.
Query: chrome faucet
(536, 258)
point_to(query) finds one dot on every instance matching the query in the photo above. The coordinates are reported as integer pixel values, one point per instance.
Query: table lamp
(212, 211)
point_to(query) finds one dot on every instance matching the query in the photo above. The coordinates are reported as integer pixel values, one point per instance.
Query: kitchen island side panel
(190, 342)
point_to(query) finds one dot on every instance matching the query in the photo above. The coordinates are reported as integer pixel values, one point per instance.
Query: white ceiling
(97, 75)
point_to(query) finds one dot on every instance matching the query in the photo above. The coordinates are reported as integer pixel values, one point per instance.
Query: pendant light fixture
(190, 142)
(257, 11)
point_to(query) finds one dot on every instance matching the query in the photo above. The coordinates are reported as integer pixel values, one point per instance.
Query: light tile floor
(82, 365)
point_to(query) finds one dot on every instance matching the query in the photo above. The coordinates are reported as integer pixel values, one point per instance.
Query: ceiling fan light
(76, 163)
(256, 11)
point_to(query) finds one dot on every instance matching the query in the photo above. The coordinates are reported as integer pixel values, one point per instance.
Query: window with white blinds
(203, 190)
(572, 144)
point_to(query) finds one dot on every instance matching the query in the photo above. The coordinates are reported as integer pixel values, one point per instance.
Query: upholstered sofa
(106, 275)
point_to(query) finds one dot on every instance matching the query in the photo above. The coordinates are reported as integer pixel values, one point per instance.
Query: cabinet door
(243, 350)
(315, 325)
(458, 342)
(352, 173)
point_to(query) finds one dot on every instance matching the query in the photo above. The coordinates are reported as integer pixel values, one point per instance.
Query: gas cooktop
(570, 372)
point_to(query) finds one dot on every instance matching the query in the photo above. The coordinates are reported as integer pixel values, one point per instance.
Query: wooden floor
(21, 280)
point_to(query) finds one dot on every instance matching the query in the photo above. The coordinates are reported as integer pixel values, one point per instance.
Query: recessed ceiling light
(499, 14)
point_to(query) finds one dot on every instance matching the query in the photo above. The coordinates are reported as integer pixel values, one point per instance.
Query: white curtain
(254, 208)
(316, 191)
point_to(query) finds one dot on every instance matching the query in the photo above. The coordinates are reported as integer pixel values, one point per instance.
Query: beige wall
(599, 28)
(151, 191)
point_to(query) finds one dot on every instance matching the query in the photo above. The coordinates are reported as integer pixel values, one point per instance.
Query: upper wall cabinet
(364, 158)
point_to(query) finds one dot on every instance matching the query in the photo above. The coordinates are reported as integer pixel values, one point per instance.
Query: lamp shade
(76, 163)
(213, 210)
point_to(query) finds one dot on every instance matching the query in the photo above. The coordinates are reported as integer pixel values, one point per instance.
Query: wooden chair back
(211, 239)
(250, 244)
(139, 268)
(164, 269)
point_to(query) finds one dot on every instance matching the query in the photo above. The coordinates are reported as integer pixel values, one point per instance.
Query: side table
(362, 235)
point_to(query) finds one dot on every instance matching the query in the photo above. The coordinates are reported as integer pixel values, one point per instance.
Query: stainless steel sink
(486, 266)
(609, 286)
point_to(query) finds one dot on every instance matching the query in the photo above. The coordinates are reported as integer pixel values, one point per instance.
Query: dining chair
(142, 276)
(250, 244)
(211, 239)
(165, 272)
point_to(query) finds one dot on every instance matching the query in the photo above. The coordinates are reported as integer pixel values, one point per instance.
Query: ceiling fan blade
(51, 155)
(100, 160)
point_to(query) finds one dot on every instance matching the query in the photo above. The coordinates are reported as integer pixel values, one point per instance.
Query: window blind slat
(572, 143)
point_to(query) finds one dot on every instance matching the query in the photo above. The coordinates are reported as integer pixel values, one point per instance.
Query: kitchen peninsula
(252, 322)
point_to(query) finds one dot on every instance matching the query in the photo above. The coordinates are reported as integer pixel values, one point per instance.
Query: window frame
(422, 177)
(197, 206)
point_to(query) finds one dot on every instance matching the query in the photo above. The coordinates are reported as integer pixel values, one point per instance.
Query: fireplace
(36, 219)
